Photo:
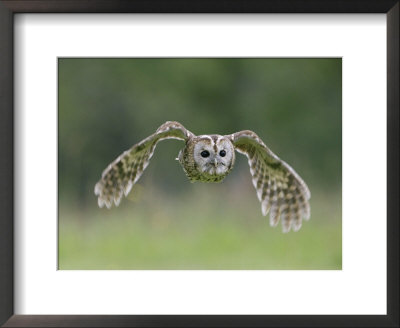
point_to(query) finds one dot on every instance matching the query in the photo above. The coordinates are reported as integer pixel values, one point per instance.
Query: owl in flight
(210, 158)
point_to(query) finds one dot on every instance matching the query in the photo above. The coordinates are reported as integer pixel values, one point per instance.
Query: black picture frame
(10, 7)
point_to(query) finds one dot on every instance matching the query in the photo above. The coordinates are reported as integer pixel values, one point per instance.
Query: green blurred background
(107, 105)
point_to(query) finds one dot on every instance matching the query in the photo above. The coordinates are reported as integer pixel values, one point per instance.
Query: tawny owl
(210, 158)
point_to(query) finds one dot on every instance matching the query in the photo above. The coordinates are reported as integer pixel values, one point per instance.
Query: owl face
(214, 155)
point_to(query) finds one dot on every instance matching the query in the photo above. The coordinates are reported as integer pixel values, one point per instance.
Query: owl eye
(205, 153)
(222, 153)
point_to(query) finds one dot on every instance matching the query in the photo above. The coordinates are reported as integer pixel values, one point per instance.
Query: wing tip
(265, 208)
(97, 188)
(296, 226)
(273, 219)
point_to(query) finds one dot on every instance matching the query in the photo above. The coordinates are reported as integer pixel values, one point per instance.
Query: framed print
(305, 95)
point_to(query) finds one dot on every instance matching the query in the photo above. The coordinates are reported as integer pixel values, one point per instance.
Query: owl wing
(119, 177)
(279, 188)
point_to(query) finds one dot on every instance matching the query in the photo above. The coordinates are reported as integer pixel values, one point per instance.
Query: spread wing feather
(281, 191)
(119, 177)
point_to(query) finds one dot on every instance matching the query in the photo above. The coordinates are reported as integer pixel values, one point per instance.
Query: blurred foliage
(107, 105)
(195, 232)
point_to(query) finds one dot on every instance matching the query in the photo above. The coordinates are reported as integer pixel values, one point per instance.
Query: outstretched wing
(279, 188)
(119, 177)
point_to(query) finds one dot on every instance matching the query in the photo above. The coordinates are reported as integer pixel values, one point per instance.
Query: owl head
(213, 154)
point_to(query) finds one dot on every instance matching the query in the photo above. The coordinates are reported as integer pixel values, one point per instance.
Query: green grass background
(210, 227)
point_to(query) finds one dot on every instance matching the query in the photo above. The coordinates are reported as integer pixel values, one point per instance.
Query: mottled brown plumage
(210, 158)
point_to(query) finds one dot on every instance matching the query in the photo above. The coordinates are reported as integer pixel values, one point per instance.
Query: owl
(210, 158)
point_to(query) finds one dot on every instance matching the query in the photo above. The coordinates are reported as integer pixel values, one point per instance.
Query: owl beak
(215, 162)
